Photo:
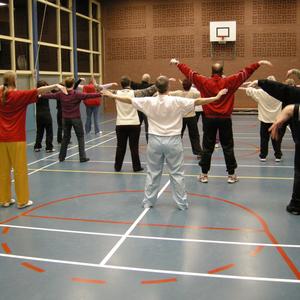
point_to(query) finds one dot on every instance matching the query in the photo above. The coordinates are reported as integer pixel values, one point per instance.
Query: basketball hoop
(221, 40)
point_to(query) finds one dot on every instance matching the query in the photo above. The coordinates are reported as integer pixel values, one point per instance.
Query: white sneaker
(217, 145)
(278, 160)
(29, 203)
(232, 179)
(203, 178)
(263, 159)
(8, 204)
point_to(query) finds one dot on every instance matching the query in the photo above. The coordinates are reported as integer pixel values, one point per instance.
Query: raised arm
(203, 101)
(293, 72)
(105, 86)
(123, 99)
(148, 92)
(48, 88)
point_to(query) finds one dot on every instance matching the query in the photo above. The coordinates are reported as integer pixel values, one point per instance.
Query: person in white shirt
(268, 110)
(165, 115)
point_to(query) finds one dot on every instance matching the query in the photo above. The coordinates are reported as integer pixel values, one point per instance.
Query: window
(96, 68)
(65, 28)
(4, 18)
(82, 7)
(21, 18)
(22, 56)
(83, 33)
(83, 62)
(48, 58)
(65, 60)
(65, 3)
(47, 30)
(5, 56)
(95, 11)
(95, 34)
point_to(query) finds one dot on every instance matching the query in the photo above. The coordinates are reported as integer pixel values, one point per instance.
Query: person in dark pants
(43, 122)
(70, 105)
(128, 125)
(145, 83)
(290, 98)
(217, 115)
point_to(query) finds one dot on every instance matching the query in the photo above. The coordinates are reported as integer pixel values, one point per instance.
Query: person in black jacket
(290, 97)
(43, 122)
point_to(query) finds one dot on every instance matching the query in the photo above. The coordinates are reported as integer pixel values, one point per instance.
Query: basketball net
(222, 40)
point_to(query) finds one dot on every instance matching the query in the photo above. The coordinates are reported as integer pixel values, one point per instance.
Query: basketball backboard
(223, 31)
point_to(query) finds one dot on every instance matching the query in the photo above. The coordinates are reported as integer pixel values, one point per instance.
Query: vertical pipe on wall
(75, 60)
(35, 39)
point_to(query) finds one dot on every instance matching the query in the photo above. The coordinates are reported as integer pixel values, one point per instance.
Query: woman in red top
(13, 105)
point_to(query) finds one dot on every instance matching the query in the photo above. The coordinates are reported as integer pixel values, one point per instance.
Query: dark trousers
(295, 201)
(131, 133)
(198, 114)
(68, 124)
(264, 141)
(142, 118)
(44, 122)
(59, 126)
(191, 123)
(210, 128)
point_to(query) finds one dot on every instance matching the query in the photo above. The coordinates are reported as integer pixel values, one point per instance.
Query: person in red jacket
(13, 105)
(217, 115)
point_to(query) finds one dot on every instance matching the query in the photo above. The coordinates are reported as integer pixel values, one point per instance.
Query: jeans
(92, 111)
(78, 127)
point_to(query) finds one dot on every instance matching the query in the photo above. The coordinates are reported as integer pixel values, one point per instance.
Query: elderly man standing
(165, 114)
(217, 115)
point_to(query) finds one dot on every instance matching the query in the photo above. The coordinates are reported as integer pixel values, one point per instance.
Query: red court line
(32, 267)
(220, 269)
(5, 248)
(5, 230)
(159, 281)
(85, 280)
(144, 224)
(257, 250)
(265, 226)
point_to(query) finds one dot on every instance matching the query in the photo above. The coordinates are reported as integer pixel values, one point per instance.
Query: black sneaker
(292, 209)
(139, 170)
(82, 160)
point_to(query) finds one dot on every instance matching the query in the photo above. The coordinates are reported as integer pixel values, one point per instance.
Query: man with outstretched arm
(217, 115)
(165, 114)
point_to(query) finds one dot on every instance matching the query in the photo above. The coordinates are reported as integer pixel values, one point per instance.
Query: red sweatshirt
(13, 115)
(90, 88)
(210, 86)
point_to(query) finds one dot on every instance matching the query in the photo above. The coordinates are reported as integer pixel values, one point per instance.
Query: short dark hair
(162, 84)
(217, 69)
(69, 82)
(186, 84)
(125, 81)
(41, 83)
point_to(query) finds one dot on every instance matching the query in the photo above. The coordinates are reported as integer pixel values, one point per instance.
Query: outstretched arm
(48, 88)
(123, 99)
(282, 118)
(202, 101)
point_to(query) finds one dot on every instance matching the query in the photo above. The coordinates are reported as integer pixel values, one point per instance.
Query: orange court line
(5, 230)
(32, 267)
(159, 281)
(146, 224)
(5, 248)
(84, 280)
(257, 250)
(220, 269)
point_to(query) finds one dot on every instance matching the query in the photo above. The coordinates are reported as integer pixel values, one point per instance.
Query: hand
(82, 79)
(253, 83)
(107, 93)
(62, 88)
(114, 84)
(274, 131)
(265, 62)
(222, 92)
(174, 61)
(290, 72)
(172, 79)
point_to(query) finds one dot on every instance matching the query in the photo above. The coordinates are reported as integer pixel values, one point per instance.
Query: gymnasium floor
(88, 237)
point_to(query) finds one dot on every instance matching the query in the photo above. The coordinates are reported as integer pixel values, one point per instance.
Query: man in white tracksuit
(165, 115)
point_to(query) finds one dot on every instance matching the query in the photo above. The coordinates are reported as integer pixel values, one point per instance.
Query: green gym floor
(88, 237)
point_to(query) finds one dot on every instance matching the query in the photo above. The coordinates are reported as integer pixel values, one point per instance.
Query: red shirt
(13, 115)
(90, 88)
(210, 86)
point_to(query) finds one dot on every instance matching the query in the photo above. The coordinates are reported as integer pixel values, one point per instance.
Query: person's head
(217, 69)
(41, 83)
(92, 80)
(69, 82)
(186, 84)
(290, 81)
(271, 77)
(9, 82)
(125, 82)
(146, 78)
(162, 84)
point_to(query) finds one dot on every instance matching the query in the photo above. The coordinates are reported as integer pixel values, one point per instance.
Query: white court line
(71, 148)
(151, 237)
(131, 228)
(146, 270)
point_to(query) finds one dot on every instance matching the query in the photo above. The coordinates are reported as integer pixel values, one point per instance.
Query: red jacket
(13, 115)
(210, 86)
(90, 88)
